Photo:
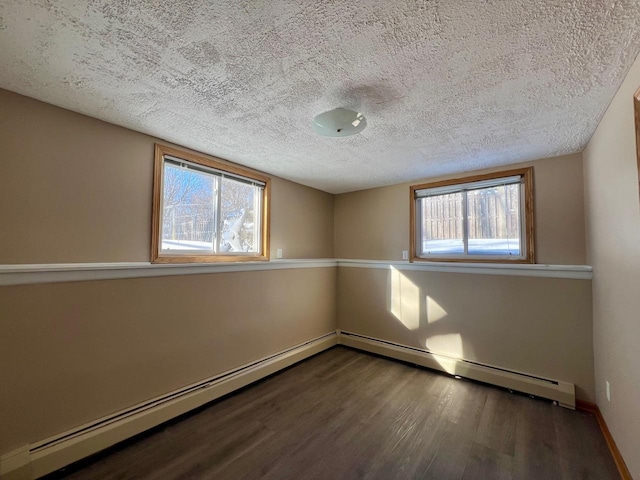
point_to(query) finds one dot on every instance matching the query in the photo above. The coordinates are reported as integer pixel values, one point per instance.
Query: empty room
(319, 240)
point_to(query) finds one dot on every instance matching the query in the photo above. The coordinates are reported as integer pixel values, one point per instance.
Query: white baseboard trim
(562, 392)
(51, 454)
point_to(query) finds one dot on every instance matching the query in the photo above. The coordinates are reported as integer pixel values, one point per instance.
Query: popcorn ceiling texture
(446, 86)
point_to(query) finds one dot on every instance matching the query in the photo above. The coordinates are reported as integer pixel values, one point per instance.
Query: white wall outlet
(608, 387)
(405, 254)
(279, 253)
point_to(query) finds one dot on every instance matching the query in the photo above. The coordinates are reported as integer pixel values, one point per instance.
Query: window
(486, 218)
(205, 210)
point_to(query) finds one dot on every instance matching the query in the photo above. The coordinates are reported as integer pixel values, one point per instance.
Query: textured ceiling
(446, 86)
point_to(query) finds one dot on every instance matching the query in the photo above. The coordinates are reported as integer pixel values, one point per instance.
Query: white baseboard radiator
(561, 392)
(38, 459)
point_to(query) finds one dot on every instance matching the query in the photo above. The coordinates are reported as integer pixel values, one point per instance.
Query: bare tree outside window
(206, 211)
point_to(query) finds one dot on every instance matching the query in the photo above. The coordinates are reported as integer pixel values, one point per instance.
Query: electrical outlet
(279, 253)
(608, 391)
(405, 255)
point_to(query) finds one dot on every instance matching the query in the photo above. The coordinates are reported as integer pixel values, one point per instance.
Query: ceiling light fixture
(339, 122)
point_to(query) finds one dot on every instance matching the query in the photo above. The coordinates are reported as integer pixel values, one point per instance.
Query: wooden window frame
(217, 164)
(527, 211)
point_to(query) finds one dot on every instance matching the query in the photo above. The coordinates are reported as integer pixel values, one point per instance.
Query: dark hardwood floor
(345, 414)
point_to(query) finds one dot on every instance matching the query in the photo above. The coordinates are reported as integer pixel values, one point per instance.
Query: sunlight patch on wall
(404, 300)
(435, 311)
(450, 346)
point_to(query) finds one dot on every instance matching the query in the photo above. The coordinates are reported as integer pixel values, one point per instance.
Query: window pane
(494, 220)
(189, 203)
(239, 217)
(442, 224)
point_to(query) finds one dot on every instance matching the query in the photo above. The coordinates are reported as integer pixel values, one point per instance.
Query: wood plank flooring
(344, 414)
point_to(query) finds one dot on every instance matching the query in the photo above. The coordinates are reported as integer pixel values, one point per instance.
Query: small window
(206, 210)
(486, 218)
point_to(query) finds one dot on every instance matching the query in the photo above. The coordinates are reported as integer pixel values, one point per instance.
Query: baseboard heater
(38, 459)
(561, 392)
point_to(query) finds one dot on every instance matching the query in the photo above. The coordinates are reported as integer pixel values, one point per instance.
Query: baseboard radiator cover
(561, 392)
(38, 459)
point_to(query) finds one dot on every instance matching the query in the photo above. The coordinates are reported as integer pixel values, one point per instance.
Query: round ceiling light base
(339, 122)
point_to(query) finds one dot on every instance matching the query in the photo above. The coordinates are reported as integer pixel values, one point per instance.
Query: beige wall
(374, 224)
(613, 234)
(302, 221)
(73, 352)
(76, 189)
(540, 326)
